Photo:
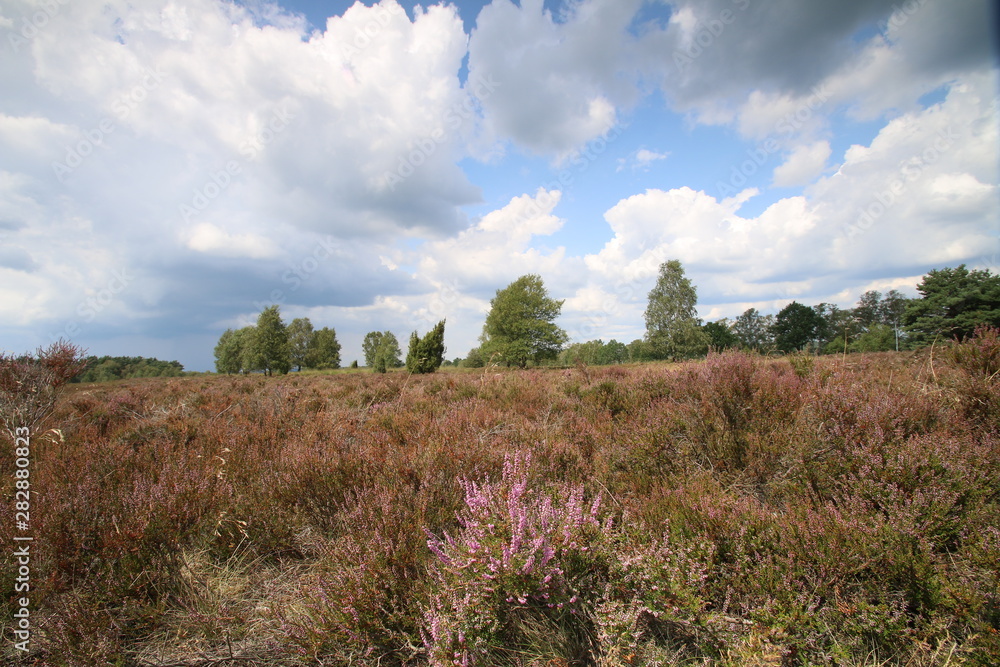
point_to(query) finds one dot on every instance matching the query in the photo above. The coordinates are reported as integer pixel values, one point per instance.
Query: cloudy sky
(170, 167)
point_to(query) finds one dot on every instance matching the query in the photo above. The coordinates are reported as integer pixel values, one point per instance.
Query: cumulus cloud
(221, 157)
(803, 165)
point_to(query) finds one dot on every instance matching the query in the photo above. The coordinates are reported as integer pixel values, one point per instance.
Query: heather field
(740, 510)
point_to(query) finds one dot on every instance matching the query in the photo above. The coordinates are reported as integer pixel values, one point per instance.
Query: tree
(474, 359)
(381, 351)
(370, 346)
(753, 330)
(869, 309)
(271, 347)
(228, 355)
(720, 336)
(411, 353)
(520, 327)
(300, 340)
(324, 350)
(612, 352)
(953, 303)
(891, 312)
(425, 355)
(795, 327)
(672, 325)
(878, 338)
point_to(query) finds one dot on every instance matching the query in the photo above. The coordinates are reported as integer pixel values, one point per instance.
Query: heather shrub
(734, 410)
(978, 385)
(518, 569)
(362, 598)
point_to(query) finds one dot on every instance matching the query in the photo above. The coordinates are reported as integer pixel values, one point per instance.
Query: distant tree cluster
(953, 302)
(520, 329)
(271, 346)
(104, 369)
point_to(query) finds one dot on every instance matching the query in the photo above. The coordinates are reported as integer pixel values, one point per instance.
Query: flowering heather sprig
(510, 553)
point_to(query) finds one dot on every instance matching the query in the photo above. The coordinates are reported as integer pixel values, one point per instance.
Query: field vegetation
(740, 510)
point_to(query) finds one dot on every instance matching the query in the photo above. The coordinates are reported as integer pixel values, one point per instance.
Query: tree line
(104, 369)
(520, 328)
(271, 346)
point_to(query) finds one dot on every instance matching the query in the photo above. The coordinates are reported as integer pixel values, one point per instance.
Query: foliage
(672, 325)
(324, 350)
(954, 302)
(720, 336)
(382, 351)
(474, 359)
(103, 369)
(271, 348)
(29, 384)
(520, 326)
(426, 354)
(725, 512)
(229, 353)
(595, 353)
(753, 330)
(795, 327)
(300, 342)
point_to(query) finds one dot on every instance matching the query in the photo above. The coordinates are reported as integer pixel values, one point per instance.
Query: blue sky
(169, 167)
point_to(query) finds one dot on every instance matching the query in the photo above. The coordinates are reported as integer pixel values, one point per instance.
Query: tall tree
(891, 312)
(753, 330)
(795, 327)
(228, 354)
(426, 354)
(271, 342)
(370, 346)
(520, 326)
(324, 350)
(386, 352)
(869, 309)
(672, 326)
(412, 353)
(953, 303)
(300, 339)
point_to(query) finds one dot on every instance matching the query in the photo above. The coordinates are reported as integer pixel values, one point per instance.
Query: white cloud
(641, 159)
(803, 165)
(210, 239)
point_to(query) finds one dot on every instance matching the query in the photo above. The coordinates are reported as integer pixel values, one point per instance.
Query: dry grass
(741, 512)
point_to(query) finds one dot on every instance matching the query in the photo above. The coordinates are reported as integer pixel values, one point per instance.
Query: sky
(169, 168)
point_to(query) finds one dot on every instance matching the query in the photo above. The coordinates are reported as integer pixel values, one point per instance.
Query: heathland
(741, 510)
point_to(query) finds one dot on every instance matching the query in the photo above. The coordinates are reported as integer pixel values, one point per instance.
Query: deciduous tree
(520, 326)
(672, 326)
(271, 349)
